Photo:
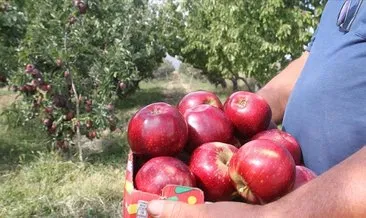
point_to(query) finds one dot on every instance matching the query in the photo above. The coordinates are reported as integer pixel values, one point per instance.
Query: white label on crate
(142, 209)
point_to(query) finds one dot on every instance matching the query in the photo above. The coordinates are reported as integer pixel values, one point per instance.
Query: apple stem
(156, 111)
(225, 158)
(241, 190)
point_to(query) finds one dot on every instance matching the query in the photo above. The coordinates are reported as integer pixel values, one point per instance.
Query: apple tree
(12, 29)
(238, 39)
(77, 58)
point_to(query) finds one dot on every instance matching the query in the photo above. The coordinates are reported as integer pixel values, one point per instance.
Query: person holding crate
(320, 98)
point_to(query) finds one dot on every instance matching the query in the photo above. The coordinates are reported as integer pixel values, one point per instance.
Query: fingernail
(155, 208)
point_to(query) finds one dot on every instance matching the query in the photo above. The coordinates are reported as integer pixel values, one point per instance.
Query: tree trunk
(246, 83)
(235, 84)
(223, 83)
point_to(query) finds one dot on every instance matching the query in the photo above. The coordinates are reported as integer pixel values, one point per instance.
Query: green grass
(195, 85)
(4, 91)
(20, 144)
(36, 182)
(51, 187)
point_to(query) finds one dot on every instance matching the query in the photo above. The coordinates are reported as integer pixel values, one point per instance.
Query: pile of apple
(229, 151)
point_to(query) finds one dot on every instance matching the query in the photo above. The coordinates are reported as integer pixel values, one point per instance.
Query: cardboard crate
(134, 204)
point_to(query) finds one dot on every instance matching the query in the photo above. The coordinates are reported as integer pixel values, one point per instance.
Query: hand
(339, 192)
(173, 209)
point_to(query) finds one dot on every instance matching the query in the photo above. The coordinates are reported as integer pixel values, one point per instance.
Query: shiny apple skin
(303, 175)
(262, 171)
(157, 130)
(249, 112)
(207, 124)
(209, 163)
(193, 99)
(158, 172)
(284, 139)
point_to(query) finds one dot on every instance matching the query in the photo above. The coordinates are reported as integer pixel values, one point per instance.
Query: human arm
(339, 192)
(279, 88)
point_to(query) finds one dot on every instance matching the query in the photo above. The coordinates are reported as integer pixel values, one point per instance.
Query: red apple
(48, 110)
(30, 89)
(69, 115)
(199, 97)
(47, 122)
(88, 108)
(22, 88)
(36, 74)
(72, 20)
(89, 124)
(88, 102)
(303, 175)
(92, 134)
(110, 107)
(157, 129)
(45, 87)
(284, 139)
(209, 163)
(158, 172)
(53, 128)
(122, 85)
(48, 87)
(249, 112)
(29, 68)
(207, 123)
(262, 171)
(82, 7)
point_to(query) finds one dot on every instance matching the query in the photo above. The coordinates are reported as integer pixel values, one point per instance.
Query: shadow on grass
(114, 152)
(140, 98)
(174, 95)
(151, 92)
(20, 145)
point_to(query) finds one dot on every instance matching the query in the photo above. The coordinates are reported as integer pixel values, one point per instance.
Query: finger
(173, 209)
